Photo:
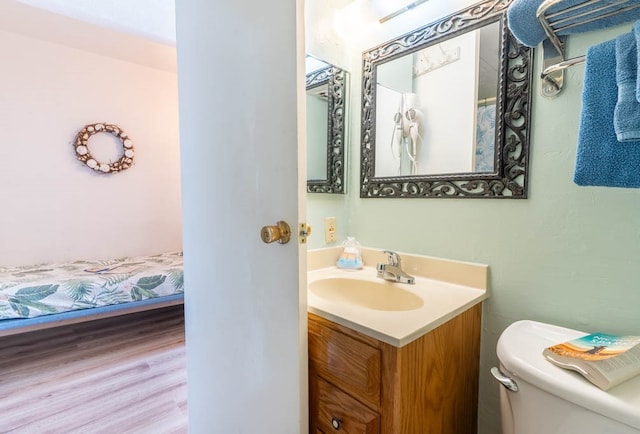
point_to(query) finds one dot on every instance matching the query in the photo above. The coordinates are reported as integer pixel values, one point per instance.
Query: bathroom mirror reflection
(326, 98)
(445, 110)
(426, 134)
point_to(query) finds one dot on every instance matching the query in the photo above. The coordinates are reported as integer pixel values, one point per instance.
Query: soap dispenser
(351, 257)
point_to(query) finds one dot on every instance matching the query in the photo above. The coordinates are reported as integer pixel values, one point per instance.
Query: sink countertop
(447, 288)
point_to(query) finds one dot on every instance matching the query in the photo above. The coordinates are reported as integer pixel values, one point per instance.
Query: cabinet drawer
(340, 413)
(351, 365)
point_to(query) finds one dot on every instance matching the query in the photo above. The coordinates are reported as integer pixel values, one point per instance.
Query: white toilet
(541, 398)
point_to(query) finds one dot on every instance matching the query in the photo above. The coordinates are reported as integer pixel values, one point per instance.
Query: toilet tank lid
(520, 352)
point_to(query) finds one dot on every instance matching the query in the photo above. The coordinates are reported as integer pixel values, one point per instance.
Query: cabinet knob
(336, 423)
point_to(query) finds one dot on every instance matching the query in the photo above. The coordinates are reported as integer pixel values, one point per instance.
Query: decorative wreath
(83, 154)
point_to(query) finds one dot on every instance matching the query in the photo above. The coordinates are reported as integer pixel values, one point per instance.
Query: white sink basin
(394, 313)
(377, 295)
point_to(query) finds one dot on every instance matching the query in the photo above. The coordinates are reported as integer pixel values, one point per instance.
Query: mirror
(326, 99)
(445, 110)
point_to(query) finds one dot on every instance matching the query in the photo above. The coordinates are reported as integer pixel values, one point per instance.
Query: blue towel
(636, 32)
(522, 20)
(601, 160)
(626, 116)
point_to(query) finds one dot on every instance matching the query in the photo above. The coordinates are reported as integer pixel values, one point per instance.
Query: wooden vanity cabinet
(359, 385)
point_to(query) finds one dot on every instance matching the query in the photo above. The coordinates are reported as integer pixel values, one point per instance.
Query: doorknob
(281, 233)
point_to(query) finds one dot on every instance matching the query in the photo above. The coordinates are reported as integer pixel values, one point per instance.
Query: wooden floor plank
(124, 374)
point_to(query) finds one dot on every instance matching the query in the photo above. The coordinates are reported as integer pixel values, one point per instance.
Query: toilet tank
(552, 400)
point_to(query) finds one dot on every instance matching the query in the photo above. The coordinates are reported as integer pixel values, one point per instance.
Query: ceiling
(154, 19)
(115, 40)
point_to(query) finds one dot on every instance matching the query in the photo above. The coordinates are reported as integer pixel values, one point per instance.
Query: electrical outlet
(330, 235)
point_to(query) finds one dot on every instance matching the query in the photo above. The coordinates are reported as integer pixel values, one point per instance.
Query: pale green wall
(319, 206)
(568, 255)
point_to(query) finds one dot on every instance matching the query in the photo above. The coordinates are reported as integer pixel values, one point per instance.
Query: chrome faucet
(392, 271)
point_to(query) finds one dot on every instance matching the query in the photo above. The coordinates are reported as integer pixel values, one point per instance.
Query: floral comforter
(44, 289)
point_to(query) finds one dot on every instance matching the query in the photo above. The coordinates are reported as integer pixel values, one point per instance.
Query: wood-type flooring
(118, 375)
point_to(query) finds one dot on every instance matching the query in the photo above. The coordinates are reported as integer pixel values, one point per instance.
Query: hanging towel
(626, 117)
(636, 32)
(601, 160)
(525, 26)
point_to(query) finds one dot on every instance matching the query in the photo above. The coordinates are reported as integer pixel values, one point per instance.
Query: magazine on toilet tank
(605, 360)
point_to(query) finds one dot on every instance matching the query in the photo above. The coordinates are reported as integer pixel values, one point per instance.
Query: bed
(48, 295)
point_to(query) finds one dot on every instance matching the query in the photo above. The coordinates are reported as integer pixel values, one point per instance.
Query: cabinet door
(340, 413)
(350, 364)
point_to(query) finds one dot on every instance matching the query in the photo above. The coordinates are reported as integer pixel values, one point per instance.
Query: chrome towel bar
(555, 20)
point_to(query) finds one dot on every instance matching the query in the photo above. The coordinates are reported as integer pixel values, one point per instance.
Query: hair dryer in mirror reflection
(406, 137)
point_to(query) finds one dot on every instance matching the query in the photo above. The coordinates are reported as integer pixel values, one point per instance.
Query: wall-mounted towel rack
(557, 20)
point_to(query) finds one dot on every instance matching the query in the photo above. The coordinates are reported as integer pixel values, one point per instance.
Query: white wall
(154, 19)
(448, 130)
(53, 207)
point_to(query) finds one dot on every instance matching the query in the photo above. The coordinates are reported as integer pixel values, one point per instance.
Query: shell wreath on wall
(83, 154)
